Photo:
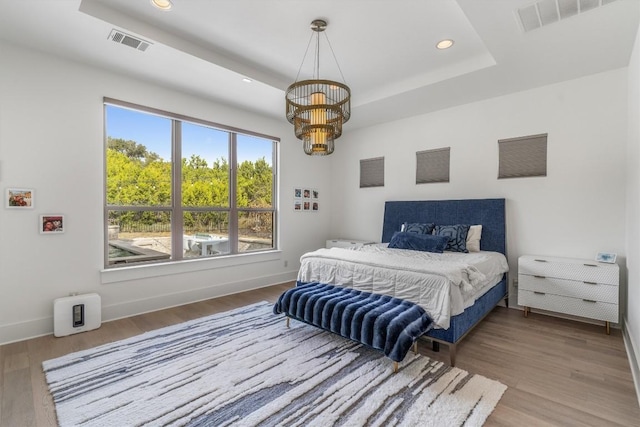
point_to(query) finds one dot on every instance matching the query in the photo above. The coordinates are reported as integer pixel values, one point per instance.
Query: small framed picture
(315, 194)
(606, 257)
(297, 205)
(19, 198)
(297, 193)
(306, 193)
(51, 224)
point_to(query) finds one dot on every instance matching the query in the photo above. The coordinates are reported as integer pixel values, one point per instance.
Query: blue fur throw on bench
(378, 321)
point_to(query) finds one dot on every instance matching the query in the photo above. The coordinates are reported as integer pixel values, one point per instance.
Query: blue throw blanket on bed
(379, 321)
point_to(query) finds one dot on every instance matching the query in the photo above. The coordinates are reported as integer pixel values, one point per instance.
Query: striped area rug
(246, 368)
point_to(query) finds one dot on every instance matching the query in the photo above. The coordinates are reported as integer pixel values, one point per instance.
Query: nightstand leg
(526, 312)
(608, 329)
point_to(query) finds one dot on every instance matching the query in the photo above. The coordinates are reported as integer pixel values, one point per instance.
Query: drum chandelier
(317, 108)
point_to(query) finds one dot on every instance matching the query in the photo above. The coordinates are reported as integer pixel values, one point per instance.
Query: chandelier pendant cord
(316, 74)
(304, 57)
(335, 59)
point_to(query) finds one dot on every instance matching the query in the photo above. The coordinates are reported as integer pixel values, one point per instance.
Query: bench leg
(395, 367)
(452, 354)
(287, 322)
(415, 347)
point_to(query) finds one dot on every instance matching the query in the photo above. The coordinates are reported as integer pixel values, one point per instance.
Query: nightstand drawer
(569, 288)
(574, 306)
(567, 268)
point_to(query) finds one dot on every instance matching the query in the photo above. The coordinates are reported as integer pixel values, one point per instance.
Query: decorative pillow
(457, 235)
(418, 242)
(473, 238)
(417, 228)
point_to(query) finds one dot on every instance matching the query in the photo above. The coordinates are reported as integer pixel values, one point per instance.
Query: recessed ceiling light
(444, 44)
(247, 80)
(162, 4)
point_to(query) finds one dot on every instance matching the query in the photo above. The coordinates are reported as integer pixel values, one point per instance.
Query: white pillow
(473, 238)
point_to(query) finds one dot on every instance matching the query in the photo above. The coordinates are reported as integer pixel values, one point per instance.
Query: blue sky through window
(154, 132)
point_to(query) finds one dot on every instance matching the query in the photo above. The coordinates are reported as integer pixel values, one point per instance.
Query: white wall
(632, 316)
(51, 141)
(576, 211)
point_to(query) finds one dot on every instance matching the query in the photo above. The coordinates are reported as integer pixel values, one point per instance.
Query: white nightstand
(347, 243)
(579, 287)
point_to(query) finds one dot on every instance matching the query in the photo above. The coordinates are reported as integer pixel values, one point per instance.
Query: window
(372, 172)
(179, 188)
(432, 165)
(522, 157)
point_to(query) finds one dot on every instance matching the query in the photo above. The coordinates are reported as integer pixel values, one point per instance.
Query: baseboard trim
(632, 354)
(161, 302)
(44, 326)
(21, 331)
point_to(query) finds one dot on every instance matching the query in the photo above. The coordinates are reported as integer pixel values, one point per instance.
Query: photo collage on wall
(306, 199)
(24, 199)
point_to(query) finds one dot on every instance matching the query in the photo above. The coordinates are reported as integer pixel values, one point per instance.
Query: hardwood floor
(559, 372)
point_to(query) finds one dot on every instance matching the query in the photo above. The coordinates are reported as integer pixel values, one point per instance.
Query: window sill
(123, 274)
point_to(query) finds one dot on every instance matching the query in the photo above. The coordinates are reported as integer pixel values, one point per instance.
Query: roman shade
(523, 157)
(433, 165)
(372, 172)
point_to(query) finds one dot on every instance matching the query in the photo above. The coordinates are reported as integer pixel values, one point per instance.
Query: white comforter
(442, 284)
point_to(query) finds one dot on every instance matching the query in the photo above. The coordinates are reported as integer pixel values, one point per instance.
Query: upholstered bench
(384, 323)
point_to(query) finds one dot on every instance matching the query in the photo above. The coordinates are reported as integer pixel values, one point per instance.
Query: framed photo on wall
(51, 224)
(19, 198)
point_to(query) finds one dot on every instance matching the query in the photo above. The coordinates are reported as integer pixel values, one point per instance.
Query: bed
(458, 297)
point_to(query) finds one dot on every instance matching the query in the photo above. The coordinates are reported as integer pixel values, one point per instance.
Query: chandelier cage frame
(316, 107)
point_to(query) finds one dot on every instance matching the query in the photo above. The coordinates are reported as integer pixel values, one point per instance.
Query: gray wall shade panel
(372, 172)
(522, 157)
(433, 165)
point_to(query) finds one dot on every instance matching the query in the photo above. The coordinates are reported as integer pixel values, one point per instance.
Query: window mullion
(233, 193)
(177, 215)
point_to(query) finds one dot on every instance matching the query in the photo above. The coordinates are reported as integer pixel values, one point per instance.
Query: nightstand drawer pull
(590, 265)
(539, 293)
(541, 260)
(590, 283)
(540, 277)
(589, 300)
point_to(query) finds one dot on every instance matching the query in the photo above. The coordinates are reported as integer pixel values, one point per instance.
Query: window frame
(176, 208)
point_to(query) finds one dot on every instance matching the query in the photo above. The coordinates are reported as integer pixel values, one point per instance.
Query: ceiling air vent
(545, 12)
(129, 40)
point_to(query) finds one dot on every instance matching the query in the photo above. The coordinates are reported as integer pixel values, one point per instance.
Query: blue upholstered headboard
(488, 212)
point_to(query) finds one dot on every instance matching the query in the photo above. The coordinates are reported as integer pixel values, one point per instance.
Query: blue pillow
(417, 228)
(457, 235)
(418, 242)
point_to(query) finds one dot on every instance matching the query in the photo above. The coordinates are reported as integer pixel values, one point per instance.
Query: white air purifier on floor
(77, 313)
